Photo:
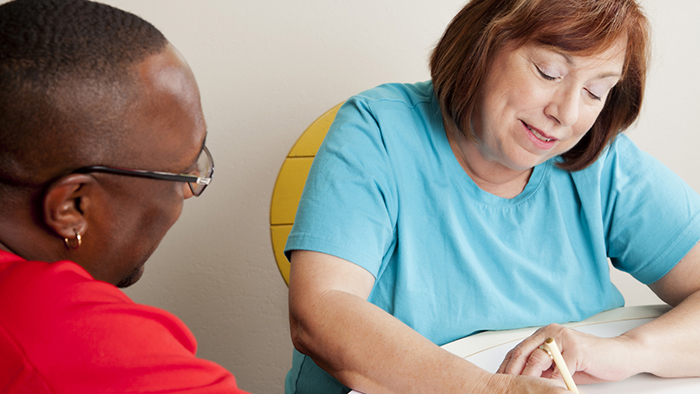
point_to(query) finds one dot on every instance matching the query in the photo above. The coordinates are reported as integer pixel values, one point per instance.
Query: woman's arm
(668, 346)
(671, 343)
(369, 350)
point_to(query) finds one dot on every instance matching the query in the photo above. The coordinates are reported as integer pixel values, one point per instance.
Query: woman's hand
(667, 346)
(525, 385)
(590, 359)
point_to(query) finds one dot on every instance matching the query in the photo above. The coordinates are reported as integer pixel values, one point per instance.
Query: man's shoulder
(41, 282)
(82, 335)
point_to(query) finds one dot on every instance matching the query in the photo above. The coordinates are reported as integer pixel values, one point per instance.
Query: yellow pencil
(553, 350)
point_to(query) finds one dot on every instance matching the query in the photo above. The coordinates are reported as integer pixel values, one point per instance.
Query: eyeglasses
(196, 182)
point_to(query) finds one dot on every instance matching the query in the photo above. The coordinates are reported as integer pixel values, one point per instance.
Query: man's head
(85, 84)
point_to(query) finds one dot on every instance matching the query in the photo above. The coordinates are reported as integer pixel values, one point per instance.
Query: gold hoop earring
(78, 241)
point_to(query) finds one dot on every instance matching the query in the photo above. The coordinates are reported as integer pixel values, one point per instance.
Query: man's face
(166, 131)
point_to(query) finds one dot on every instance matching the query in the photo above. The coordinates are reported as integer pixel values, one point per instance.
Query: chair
(290, 184)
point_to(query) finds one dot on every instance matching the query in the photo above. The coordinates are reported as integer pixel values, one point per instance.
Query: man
(102, 138)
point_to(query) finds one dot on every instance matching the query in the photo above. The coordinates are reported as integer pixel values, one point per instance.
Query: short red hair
(461, 60)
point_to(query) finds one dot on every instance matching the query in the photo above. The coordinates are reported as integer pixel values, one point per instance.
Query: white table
(487, 350)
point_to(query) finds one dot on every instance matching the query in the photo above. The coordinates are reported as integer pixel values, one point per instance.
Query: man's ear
(65, 204)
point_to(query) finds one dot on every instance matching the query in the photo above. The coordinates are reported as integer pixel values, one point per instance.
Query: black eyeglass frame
(204, 181)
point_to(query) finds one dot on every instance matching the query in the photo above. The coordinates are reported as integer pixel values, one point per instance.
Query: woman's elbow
(299, 336)
(305, 326)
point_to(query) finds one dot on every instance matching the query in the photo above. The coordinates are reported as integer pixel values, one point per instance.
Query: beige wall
(267, 69)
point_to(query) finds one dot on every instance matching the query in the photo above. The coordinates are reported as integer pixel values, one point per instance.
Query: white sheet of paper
(488, 350)
(490, 360)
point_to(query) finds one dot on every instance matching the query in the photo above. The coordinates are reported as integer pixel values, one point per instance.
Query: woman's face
(537, 102)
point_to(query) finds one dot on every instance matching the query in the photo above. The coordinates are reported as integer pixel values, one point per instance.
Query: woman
(491, 198)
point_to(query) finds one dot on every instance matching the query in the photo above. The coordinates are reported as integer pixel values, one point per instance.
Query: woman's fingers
(539, 364)
(516, 361)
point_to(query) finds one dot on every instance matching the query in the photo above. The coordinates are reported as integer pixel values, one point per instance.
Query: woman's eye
(545, 75)
(593, 96)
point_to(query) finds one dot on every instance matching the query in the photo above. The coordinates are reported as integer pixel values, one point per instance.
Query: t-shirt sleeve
(652, 216)
(348, 207)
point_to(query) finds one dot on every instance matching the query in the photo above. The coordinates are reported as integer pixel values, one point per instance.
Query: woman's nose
(564, 106)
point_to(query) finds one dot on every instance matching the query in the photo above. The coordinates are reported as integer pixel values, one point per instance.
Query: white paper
(490, 360)
(487, 350)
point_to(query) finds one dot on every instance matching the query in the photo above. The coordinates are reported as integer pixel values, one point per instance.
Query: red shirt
(61, 331)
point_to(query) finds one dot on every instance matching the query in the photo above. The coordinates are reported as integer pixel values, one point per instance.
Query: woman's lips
(539, 133)
(539, 138)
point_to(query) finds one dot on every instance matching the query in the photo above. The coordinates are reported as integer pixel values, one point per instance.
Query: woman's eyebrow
(572, 62)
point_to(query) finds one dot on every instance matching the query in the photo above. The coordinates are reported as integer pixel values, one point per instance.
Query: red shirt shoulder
(75, 334)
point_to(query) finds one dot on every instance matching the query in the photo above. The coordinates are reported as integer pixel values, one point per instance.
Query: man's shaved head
(66, 79)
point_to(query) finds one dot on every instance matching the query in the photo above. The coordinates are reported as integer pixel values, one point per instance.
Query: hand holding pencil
(591, 359)
(550, 347)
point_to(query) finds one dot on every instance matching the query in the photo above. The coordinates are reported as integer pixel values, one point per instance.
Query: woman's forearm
(369, 350)
(669, 346)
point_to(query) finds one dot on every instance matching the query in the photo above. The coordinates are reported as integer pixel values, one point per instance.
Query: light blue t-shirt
(386, 192)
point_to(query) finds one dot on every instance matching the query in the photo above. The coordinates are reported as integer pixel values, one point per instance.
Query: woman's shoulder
(404, 114)
(622, 155)
(392, 106)
(410, 94)
(623, 166)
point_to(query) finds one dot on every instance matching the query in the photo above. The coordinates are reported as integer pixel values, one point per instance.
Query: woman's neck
(490, 176)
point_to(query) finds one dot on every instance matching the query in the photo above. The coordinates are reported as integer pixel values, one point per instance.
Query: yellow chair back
(290, 184)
